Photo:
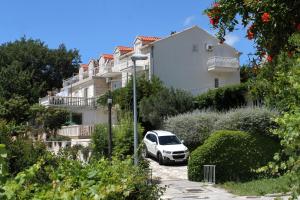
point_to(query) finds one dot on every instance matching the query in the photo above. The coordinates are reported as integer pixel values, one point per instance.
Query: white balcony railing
(108, 71)
(77, 131)
(68, 101)
(223, 64)
(128, 65)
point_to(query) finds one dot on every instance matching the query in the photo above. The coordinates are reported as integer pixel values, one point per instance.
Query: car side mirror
(155, 143)
(182, 141)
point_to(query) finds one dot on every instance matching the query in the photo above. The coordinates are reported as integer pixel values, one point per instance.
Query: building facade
(191, 60)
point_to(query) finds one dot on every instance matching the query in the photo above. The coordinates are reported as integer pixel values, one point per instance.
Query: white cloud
(188, 20)
(232, 39)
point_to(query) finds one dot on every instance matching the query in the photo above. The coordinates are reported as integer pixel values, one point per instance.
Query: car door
(149, 142)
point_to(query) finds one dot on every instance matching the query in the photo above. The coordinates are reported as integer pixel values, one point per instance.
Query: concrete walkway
(174, 177)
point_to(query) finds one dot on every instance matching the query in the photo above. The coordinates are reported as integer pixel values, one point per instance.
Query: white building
(192, 60)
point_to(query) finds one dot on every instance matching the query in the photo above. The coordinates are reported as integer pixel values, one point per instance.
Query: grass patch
(259, 187)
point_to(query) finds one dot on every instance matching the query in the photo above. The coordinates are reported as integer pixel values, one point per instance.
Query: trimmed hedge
(223, 98)
(235, 153)
(193, 128)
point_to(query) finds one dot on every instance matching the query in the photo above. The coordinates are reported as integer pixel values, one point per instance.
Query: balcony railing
(128, 65)
(223, 64)
(68, 101)
(77, 131)
(108, 71)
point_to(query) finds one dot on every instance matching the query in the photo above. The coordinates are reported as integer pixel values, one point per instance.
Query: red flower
(269, 58)
(263, 54)
(298, 27)
(216, 4)
(290, 54)
(250, 35)
(214, 21)
(265, 17)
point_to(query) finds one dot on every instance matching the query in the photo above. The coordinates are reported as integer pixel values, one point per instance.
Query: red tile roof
(84, 66)
(124, 49)
(108, 56)
(148, 38)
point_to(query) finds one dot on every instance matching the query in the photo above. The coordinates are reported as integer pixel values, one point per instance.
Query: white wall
(181, 61)
(98, 116)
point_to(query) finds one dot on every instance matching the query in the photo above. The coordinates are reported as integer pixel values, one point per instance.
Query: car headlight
(186, 151)
(167, 152)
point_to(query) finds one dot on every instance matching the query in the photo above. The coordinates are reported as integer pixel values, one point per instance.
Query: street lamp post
(109, 103)
(134, 58)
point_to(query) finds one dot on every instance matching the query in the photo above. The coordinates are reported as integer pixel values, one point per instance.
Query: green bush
(123, 136)
(223, 98)
(61, 178)
(235, 153)
(100, 141)
(193, 128)
(251, 120)
(167, 102)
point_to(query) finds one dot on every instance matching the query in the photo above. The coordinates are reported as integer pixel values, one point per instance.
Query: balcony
(223, 64)
(108, 71)
(68, 101)
(77, 131)
(127, 66)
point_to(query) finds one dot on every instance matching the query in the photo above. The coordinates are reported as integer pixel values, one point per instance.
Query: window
(216, 82)
(195, 48)
(168, 140)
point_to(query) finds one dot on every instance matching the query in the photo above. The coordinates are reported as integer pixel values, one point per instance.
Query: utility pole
(109, 103)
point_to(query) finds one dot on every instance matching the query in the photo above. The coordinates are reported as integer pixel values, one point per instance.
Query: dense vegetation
(60, 178)
(223, 98)
(235, 153)
(195, 127)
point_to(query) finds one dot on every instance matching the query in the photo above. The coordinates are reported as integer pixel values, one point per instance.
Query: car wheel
(145, 152)
(160, 158)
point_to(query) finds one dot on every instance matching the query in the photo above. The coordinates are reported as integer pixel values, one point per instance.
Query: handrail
(68, 101)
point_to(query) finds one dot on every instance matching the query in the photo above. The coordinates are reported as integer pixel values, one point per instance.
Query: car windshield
(168, 140)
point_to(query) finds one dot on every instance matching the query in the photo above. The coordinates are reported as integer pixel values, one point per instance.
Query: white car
(165, 146)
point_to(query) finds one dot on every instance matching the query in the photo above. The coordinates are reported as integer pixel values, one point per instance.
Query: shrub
(167, 102)
(70, 179)
(251, 120)
(123, 136)
(223, 98)
(235, 153)
(193, 128)
(100, 141)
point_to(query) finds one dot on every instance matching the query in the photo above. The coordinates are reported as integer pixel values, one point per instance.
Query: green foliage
(278, 84)
(47, 120)
(270, 22)
(248, 73)
(100, 141)
(193, 128)
(123, 136)
(22, 152)
(124, 96)
(235, 153)
(14, 109)
(166, 103)
(289, 133)
(69, 179)
(223, 98)
(3, 165)
(29, 68)
(251, 120)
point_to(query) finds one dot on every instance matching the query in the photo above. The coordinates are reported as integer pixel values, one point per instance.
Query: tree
(269, 22)
(29, 68)
(124, 96)
(166, 103)
(47, 120)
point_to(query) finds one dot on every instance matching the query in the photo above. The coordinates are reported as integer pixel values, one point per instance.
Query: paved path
(178, 187)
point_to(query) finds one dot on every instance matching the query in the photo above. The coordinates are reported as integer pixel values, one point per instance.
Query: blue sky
(97, 26)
